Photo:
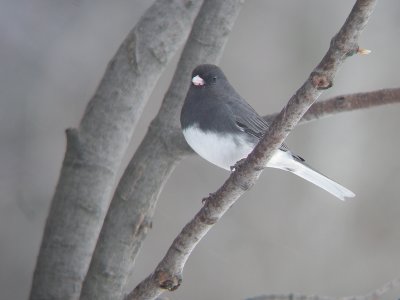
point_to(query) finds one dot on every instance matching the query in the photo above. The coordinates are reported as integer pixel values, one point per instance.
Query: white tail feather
(285, 161)
(322, 181)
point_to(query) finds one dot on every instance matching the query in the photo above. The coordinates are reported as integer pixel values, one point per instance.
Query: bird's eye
(214, 79)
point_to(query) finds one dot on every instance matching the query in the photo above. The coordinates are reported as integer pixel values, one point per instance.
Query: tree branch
(168, 273)
(95, 150)
(133, 204)
(347, 103)
(376, 294)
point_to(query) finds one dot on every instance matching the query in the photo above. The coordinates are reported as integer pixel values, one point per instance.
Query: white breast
(223, 151)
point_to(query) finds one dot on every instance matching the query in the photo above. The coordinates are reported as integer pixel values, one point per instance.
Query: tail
(322, 181)
(297, 166)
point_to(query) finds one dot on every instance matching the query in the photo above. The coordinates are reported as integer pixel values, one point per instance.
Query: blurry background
(285, 235)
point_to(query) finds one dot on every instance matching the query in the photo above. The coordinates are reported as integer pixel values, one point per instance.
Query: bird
(221, 127)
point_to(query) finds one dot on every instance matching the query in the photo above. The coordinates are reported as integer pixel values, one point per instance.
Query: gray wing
(249, 121)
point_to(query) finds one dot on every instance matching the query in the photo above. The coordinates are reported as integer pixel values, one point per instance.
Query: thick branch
(132, 206)
(168, 273)
(376, 294)
(95, 149)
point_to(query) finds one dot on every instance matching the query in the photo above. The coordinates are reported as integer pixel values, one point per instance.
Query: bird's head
(207, 75)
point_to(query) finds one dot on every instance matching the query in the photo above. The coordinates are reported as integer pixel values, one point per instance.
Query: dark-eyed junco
(223, 128)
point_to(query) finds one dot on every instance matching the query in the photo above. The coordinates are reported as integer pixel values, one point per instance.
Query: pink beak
(197, 80)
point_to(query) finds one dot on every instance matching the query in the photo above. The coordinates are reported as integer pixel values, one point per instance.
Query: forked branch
(131, 210)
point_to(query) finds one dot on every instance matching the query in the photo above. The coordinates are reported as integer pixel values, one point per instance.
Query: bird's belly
(221, 150)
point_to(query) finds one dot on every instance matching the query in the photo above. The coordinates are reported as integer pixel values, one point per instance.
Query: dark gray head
(209, 100)
(207, 76)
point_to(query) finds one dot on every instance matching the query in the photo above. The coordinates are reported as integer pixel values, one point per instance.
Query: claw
(237, 164)
(205, 199)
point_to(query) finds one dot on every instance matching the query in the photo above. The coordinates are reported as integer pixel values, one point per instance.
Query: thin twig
(168, 273)
(347, 103)
(374, 295)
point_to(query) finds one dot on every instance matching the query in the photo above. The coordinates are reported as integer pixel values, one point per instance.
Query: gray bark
(132, 206)
(95, 149)
(168, 273)
(347, 103)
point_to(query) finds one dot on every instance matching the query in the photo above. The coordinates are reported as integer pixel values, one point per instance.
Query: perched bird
(223, 128)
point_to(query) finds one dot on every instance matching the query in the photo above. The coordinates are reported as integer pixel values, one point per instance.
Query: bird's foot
(205, 199)
(237, 164)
